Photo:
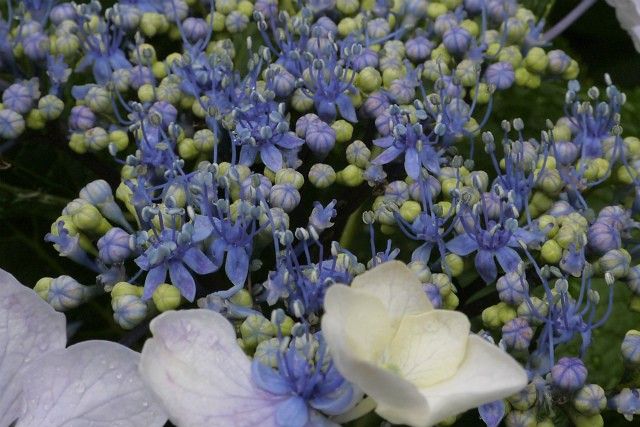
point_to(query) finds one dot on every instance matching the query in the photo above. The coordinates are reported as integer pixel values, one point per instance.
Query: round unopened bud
(87, 218)
(121, 289)
(289, 176)
(166, 297)
(358, 154)
(42, 287)
(615, 261)
(51, 107)
(512, 288)
(256, 329)
(630, 348)
(351, 176)
(590, 399)
(12, 124)
(525, 398)
(369, 79)
(128, 311)
(517, 334)
(551, 252)
(521, 419)
(65, 293)
(569, 374)
(284, 196)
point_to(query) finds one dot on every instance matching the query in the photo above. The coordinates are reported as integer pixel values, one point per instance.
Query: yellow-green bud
(567, 235)
(410, 210)
(548, 224)
(347, 26)
(626, 175)
(301, 102)
(369, 79)
(321, 175)
(146, 93)
(96, 139)
(525, 398)
(343, 129)
(124, 288)
(436, 9)
(483, 95)
(187, 149)
(572, 71)
(351, 176)
(455, 264)
(389, 75)
(256, 329)
(491, 317)
(541, 201)
(506, 313)
(50, 107)
(290, 176)
(35, 120)
(42, 287)
(450, 301)
(119, 139)
(204, 140)
(242, 298)
(166, 297)
(561, 132)
(551, 252)
(87, 218)
(536, 60)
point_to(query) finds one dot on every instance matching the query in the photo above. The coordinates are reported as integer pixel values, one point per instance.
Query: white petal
(194, 365)
(486, 374)
(357, 330)
(29, 327)
(429, 348)
(92, 383)
(357, 322)
(397, 287)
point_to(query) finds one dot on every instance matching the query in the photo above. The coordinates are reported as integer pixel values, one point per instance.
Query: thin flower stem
(569, 19)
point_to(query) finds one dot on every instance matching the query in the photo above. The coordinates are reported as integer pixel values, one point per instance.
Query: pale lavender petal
(508, 259)
(29, 328)
(486, 265)
(194, 365)
(462, 245)
(91, 383)
(198, 261)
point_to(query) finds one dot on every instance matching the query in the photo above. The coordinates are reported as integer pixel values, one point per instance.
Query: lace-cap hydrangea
(45, 384)
(419, 365)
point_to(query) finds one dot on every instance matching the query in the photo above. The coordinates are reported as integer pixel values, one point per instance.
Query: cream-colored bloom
(628, 14)
(420, 365)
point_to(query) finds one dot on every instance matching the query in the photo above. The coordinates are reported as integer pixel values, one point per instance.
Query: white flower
(628, 14)
(43, 384)
(420, 365)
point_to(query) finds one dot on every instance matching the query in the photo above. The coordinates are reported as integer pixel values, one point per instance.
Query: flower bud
(521, 419)
(129, 311)
(343, 130)
(166, 297)
(12, 124)
(630, 348)
(121, 289)
(256, 329)
(536, 60)
(517, 334)
(113, 247)
(320, 137)
(81, 118)
(321, 175)
(351, 176)
(96, 139)
(42, 287)
(569, 374)
(603, 237)
(410, 210)
(590, 400)
(51, 107)
(512, 288)
(534, 310)
(98, 99)
(525, 398)
(551, 252)
(284, 196)
(358, 154)
(289, 176)
(267, 352)
(368, 80)
(87, 218)
(615, 261)
(65, 293)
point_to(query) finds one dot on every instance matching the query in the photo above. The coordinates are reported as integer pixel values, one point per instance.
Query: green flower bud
(590, 400)
(420, 269)
(152, 23)
(267, 352)
(35, 120)
(521, 419)
(443, 283)
(98, 99)
(455, 264)
(51, 107)
(290, 176)
(506, 313)
(567, 235)
(436, 9)
(119, 139)
(256, 329)
(42, 287)
(368, 80)
(301, 102)
(551, 252)
(166, 297)
(533, 312)
(433, 70)
(481, 93)
(580, 420)
(491, 318)
(549, 181)
(510, 54)
(348, 7)
(124, 288)
(410, 210)
(561, 132)
(572, 71)
(615, 261)
(321, 175)
(358, 154)
(343, 129)
(466, 72)
(188, 149)
(525, 398)
(96, 139)
(536, 60)
(146, 93)
(347, 26)
(87, 218)
(450, 301)
(351, 176)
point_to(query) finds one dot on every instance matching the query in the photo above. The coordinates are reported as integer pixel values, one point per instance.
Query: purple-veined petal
(508, 258)
(384, 142)
(462, 245)
(155, 277)
(247, 155)
(346, 108)
(194, 365)
(293, 412)
(387, 155)
(237, 265)
(91, 383)
(198, 261)
(492, 413)
(271, 157)
(412, 163)
(290, 140)
(182, 279)
(486, 265)
(29, 328)
(202, 228)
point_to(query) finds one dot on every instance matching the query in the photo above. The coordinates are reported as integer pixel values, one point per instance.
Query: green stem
(27, 194)
(351, 228)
